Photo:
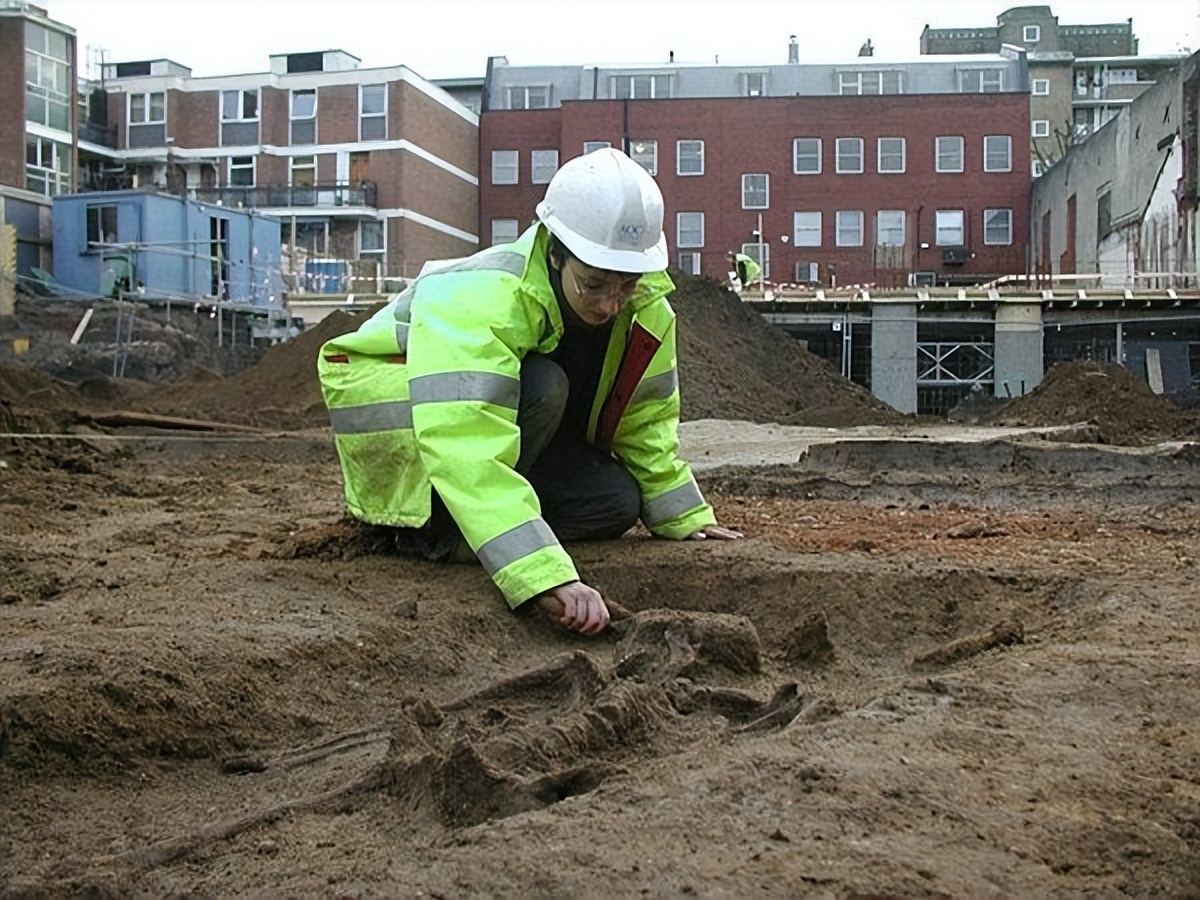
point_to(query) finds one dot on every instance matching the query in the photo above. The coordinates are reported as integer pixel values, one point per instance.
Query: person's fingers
(597, 616)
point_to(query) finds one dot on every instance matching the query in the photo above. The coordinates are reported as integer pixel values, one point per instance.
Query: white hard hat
(608, 211)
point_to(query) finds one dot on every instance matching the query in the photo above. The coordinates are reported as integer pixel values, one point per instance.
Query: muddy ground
(945, 663)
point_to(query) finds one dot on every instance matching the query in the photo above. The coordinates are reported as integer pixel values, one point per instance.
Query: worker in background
(526, 395)
(744, 267)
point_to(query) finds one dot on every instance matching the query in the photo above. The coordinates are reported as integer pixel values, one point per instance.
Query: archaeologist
(744, 267)
(525, 395)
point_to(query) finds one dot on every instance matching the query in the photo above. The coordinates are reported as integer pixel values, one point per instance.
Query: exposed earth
(948, 661)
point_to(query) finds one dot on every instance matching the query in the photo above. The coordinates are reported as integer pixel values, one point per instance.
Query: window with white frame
(372, 112)
(593, 146)
(504, 231)
(147, 119)
(47, 166)
(1120, 76)
(533, 96)
(949, 153)
(997, 227)
(689, 229)
(997, 153)
(639, 87)
(949, 226)
(1036, 168)
(302, 173)
(849, 156)
(806, 156)
(889, 228)
(891, 155)
(371, 240)
(239, 117)
(806, 228)
(689, 157)
(980, 81)
(645, 154)
(542, 165)
(1041, 87)
(849, 228)
(1031, 34)
(871, 82)
(764, 262)
(101, 224)
(756, 192)
(754, 84)
(506, 166)
(1041, 128)
(304, 116)
(689, 262)
(241, 171)
(47, 77)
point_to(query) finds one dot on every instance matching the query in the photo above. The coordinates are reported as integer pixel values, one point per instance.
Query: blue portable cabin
(166, 247)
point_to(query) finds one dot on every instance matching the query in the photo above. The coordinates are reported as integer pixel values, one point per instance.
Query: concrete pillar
(894, 354)
(8, 270)
(1018, 347)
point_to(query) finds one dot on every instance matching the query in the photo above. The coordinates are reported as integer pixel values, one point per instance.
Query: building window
(147, 113)
(542, 165)
(1041, 87)
(689, 229)
(302, 173)
(1081, 118)
(102, 224)
(689, 262)
(371, 240)
(849, 156)
(506, 166)
(593, 146)
(47, 77)
(534, 96)
(997, 227)
(372, 112)
(891, 155)
(645, 154)
(752, 251)
(949, 227)
(47, 166)
(304, 116)
(754, 84)
(639, 87)
(689, 157)
(949, 154)
(980, 81)
(756, 192)
(1120, 76)
(997, 153)
(806, 229)
(1031, 34)
(239, 117)
(870, 83)
(241, 171)
(504, 231)
(849, 228)
(806, 156)
(1036, 168)
(1041, 128)
(889, 228)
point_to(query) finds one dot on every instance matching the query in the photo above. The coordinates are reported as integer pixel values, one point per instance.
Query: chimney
(793, 50)
(672, 56)
(866, 49)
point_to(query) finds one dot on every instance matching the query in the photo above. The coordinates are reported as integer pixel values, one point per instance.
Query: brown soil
(933, 670)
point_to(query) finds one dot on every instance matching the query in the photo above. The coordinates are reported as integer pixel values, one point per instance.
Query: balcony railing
(93, 133)
(317, 196)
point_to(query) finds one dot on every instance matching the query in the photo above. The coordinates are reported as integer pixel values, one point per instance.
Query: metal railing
(319, 196)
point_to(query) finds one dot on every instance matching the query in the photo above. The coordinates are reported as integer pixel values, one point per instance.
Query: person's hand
(578, 607)
(715, 533)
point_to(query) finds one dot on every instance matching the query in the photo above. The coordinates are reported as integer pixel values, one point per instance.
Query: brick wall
(193, 118)
(270, 170)
(337, 114)
(275, 116)
(410, 244)
(416, 117)
(12, 101)
(755, 136)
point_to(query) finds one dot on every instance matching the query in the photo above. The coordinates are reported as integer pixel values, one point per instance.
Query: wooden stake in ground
(1001, 634)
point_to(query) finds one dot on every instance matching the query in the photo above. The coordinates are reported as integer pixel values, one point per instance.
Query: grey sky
(449, 38)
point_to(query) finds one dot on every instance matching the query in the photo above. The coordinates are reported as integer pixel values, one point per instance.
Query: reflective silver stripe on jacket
(657, 387)
(488, 387)
(388, 415)
(515, 544)
(673, 503)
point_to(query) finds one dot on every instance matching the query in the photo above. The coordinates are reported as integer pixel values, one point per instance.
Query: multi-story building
(1081, 76)
(867, 172)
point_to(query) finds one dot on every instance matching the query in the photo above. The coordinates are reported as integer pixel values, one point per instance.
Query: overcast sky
(454, 38)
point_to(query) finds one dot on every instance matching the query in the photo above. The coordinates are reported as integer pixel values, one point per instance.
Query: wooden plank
(122, 419)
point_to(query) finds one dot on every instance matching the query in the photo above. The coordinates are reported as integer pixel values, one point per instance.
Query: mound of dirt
(1121, 406)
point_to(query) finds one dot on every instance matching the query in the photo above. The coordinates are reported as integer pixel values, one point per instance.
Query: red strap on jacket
(639, 350)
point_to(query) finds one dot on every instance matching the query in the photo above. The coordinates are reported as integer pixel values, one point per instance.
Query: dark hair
(558, 251)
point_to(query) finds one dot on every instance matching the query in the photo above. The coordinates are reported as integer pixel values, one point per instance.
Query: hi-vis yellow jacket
(425, 394)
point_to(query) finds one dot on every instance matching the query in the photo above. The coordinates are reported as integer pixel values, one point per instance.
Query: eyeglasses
(608, 290)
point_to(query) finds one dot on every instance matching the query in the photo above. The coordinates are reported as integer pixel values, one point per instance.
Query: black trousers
(585, 494)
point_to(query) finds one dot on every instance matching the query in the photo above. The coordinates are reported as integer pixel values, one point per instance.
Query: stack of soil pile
(1119, 404)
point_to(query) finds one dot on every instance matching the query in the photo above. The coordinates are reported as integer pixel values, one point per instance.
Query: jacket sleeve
(467, 336)
(647, 441)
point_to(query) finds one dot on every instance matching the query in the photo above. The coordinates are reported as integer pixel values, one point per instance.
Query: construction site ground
(947, 661)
